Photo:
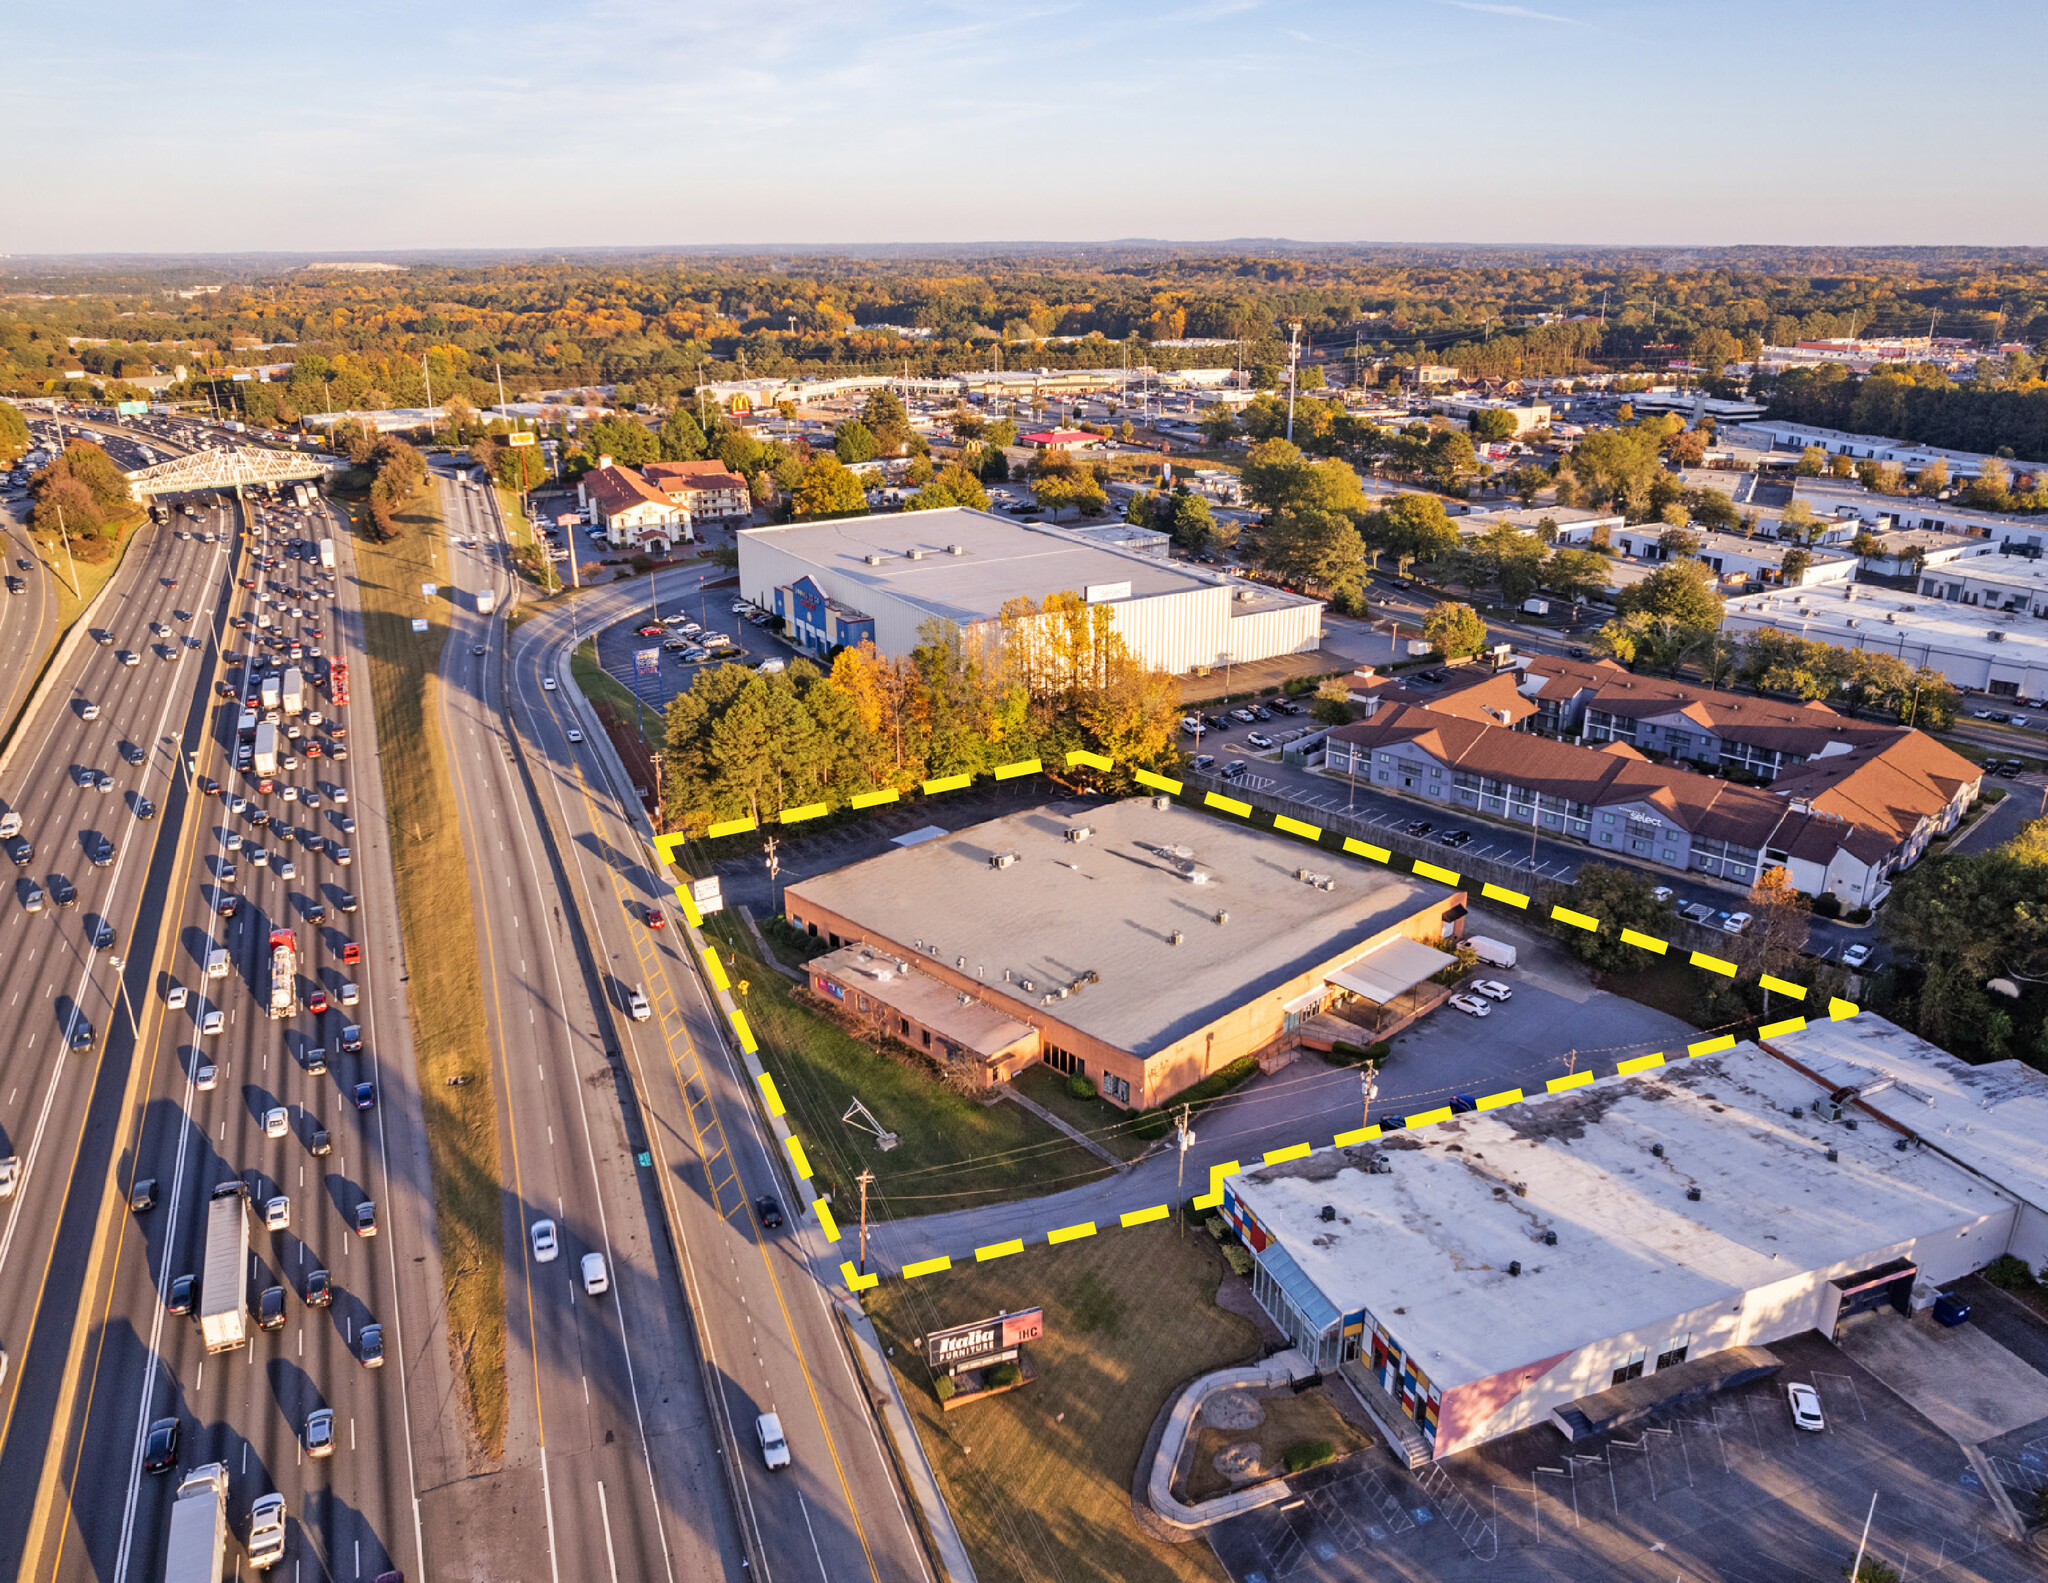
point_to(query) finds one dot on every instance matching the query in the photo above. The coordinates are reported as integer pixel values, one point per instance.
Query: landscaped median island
(445, 978)
(1039, 1479)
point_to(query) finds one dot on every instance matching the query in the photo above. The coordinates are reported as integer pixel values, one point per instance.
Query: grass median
(445, 976)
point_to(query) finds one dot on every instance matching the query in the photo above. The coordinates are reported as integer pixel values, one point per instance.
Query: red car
(656, 918)
(651, 631)
(317, 1002)
(351, 952)
(313, 750)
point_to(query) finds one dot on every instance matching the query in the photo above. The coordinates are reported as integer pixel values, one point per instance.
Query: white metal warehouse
(883, 577)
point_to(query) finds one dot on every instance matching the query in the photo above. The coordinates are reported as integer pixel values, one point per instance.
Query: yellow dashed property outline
(668, 846)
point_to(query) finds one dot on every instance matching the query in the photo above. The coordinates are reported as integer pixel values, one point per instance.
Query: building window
(1385, 775)
(1631, 1370)
(1670, 856)
(1435, 773)
(1607, 838)
(927, 1033)
(1639, 846)
(1674, 1350)
(863, 1001)
(1116, 1088)
(1386, 758)
(1607, 818)
(903, 1026)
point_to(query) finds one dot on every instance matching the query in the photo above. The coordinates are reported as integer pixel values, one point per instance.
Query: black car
(160, 1450)
(142, 1196)
(1455, 838)
(62, 891)
(1419, 827)
(319, 1290)
(769, 1210)
(270, 1309)
(316, 913)
(320, 1143)
(2010, 768)
(1234, 769)
(1204, 761)
(184, 1291)
(226, 905)
(103, 935)
(366, 1094)
(22, 851)
(1216, 722)
(1262, 712)
(15, 585)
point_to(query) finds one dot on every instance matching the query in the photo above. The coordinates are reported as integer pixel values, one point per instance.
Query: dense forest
(363, 335)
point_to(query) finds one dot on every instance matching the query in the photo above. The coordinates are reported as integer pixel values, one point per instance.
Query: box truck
(223, 1283)
(486, 601)
(292, 696)
(273, 691)
(266, 749)
(327, 554)
(199, 1527)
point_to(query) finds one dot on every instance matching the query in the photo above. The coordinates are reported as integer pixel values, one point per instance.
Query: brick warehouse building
(1139, 943)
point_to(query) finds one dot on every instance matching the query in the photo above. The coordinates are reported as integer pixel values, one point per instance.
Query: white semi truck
(223, 1284)
(199, 1527)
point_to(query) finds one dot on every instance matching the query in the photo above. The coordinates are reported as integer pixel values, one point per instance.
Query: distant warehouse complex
(1138, 945)
(879, 579)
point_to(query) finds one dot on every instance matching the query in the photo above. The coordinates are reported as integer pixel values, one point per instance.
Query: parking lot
(1726, 1490)
(710, 609)
(1556, 1023)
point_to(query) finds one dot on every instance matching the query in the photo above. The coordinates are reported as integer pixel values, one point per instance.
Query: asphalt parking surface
(1557, 1022)
(1726, 1489)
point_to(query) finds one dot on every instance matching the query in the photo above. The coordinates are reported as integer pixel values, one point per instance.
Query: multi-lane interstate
(631, 1449)
(191, 1130)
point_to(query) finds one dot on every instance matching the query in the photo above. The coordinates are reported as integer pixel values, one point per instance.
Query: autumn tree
(827, 489)
(626, 441)
(1454, 630)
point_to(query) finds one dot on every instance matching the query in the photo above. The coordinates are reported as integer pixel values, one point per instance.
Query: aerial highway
(763, 1314)
(611, 1437)
(28, 619)
(205, 1115)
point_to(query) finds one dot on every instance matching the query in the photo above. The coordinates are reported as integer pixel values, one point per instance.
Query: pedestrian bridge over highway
(230, 467)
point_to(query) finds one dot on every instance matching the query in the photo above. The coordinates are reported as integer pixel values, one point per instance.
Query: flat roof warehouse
(1433, 1248)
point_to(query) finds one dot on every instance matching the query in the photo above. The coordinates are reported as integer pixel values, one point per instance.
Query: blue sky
(179, 127)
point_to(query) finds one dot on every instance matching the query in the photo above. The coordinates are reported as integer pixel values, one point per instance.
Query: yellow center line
(661, 966)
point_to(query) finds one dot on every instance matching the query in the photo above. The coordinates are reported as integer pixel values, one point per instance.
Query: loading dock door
(1891, 1283)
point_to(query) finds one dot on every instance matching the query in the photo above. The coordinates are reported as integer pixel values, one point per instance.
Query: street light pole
(1293, 374)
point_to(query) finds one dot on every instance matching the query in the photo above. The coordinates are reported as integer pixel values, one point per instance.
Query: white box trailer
(486, 601)
(327, 554)
(223, 1284)
(199, 1527)
(292, 696)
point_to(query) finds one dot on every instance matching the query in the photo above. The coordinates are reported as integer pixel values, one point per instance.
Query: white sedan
(545, 1247)
(1804, 1401)
(1856, 955)
(276, 1122)
(575, 735)
(547, 684)
(1471, 1005)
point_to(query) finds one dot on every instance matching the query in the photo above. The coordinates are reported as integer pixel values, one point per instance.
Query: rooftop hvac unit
(1162, 803)
(1243, 593)
(1891, 618)
(1995, 635)
(1028, 987)
(1174, 938)
(956, 549)
(876, 560)
(913, 555)
(1198, 876)
(1062, 992)
(1854, 622)
(1002, 860)
(1223, 917)
(1079, 832)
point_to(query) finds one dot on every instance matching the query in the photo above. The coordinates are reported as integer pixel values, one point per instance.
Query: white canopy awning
(1389, 971)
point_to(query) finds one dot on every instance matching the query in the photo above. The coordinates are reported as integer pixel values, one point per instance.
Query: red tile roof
(618, 488)
(678, 477)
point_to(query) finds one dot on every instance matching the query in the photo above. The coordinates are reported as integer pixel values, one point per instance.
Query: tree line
(1996, 415)
(1041, 681)
(82, 496)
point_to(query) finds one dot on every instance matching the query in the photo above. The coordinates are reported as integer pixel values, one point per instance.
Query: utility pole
(1180, 1175)
(71, 566)
(866, 1176)
(428, 374)
(1293, 373)
(499, 370)
(1369, 1090)
(774, 872)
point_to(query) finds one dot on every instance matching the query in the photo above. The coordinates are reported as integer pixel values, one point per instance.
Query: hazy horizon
(145, 131)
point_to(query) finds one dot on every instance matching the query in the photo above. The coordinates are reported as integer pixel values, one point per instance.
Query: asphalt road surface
(352, 1515)
(758, 1297)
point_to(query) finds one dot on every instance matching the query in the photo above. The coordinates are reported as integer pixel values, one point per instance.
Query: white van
(217, 963)
(770, 668)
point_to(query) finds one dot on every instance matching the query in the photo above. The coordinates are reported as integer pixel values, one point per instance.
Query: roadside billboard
(985, 1341)
(647, 665)
(708, 894)
(519, 439)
